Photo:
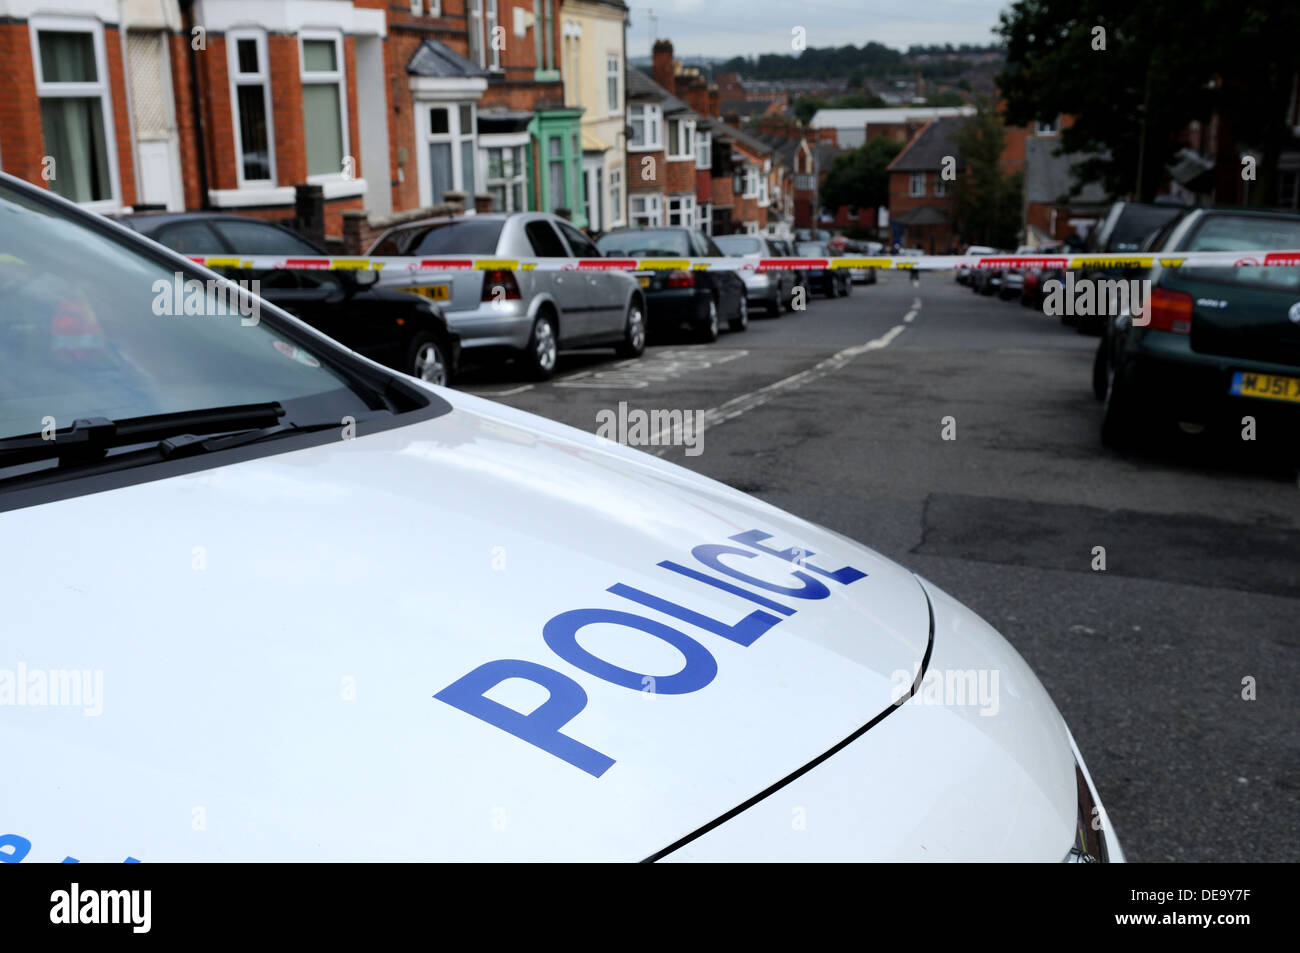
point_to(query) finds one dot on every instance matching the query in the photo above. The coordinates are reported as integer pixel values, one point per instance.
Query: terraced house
(385, 105)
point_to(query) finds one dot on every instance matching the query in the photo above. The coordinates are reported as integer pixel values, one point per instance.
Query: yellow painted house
(593, 65)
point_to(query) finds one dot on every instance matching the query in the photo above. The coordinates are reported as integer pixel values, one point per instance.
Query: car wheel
(427, 361)
(708, 332)
(633, 343)
(543, 349)
(773, 307)
(1118, 423)
(741, 321)
(831, 290)
(848, 289)
(1099, 372)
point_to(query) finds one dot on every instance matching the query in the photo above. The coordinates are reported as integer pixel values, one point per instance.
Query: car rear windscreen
(1248, 233)
(1136, 222)
(645, 241)
(462, 237)
(738, 245)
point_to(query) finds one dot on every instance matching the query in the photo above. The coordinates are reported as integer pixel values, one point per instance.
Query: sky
(726, 28)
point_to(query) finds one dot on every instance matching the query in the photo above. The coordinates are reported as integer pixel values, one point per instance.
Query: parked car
(856, 249)
(313, 631)
(696, 300)
(987, 281)
(832, 282)
(1218, 343)
(773, 291)
(1013, 279)
(1121, 230)
(524, 315)
(785, 248)
(964, 272)
(400, 331)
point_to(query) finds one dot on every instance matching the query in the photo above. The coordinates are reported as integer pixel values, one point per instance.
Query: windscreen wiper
(90, 438)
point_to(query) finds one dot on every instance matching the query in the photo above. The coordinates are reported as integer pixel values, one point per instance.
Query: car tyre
(633, 343)
(708, 332)
(426, 360)
(741, 321)
(1100, 379)
(1119, 429)
(543, 351)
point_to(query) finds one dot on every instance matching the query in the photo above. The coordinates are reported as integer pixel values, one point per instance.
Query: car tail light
(503, 279)
(1170, 311)
(680, 279)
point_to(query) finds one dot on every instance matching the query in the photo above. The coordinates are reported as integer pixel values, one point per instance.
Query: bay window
(681, 139)
(703, 150)
(646, 210)
(646, 122)
(681, 211)
(449, 135)
(506, 177)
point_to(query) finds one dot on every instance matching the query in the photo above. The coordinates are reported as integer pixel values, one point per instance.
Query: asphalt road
(838, 414)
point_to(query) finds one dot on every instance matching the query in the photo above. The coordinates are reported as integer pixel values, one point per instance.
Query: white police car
(267, 600)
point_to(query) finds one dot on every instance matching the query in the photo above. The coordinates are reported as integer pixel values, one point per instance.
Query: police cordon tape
(417, 265)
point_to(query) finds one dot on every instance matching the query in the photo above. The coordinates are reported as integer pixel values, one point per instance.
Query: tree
(858, 101)
(806, 107)
(859, 177)
(1136, 74)
(987, 202)
(945, 97)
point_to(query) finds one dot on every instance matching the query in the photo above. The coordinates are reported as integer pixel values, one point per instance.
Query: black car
(696, 300)
(399, 330)
(1123, 229)
(1215, 345)
(832, 282)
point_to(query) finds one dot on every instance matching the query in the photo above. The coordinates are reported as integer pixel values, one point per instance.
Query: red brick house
(387, 105)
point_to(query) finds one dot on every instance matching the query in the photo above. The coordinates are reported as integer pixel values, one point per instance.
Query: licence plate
(644, 279)
(433, 292)
(1267, 386)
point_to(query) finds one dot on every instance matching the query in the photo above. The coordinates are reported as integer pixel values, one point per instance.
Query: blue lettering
(753, 539)
(13, 848)
(727, 587)
(561, 635)
(711, 555)
(745, 632)
(542, 727)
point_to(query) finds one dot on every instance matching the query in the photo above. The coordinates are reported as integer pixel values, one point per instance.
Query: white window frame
(940, 185)
(704, 218)
(474, 10)
(237, 79)
(703, 150)
(613, 72)
(417, 8)
(764, 197)
(685, 136)
(749, 189)
(652, 215)
(684, 207)
(456, 137)
(916, 185)
(339, 78)
(615, 213)
(513, 143)
(99, 89)
(1051, 127)
(652, 119)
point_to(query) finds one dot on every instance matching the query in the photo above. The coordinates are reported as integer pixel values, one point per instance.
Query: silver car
(772, 291)
(522, 314)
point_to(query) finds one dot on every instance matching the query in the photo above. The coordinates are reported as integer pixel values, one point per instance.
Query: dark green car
(1218, 344)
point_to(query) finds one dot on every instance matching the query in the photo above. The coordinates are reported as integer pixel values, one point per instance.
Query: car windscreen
(738, 245)
(1135, 223)
(465, 236)
(812, 250)
(1247, 233)
(92, 327)
(645, 241)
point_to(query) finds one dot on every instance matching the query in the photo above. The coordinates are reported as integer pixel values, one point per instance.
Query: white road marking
(504, 393)
(746, 402)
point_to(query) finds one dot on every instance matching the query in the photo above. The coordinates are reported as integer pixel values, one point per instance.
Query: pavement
(839, 413)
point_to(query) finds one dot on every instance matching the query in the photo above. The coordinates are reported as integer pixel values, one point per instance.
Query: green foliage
(857, 101)
(1165, 64)
(806, 107)
(987, 203)
(946, 97)
(859, 177)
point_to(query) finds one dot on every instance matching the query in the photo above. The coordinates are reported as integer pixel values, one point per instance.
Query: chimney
(662, 70)
(696, 94)
(715, 108)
